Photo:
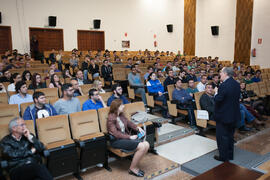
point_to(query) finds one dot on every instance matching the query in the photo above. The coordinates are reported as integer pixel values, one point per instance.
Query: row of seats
(62, 134)
(9, 111)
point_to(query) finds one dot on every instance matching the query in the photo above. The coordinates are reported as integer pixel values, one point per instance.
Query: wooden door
(5, 39)
(90, 40)
(48, 39)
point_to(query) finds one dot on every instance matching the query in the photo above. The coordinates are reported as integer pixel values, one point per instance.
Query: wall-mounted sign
(260, 41)
(125, 44)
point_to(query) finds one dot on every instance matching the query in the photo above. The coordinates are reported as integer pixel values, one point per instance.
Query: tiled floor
(186, 149)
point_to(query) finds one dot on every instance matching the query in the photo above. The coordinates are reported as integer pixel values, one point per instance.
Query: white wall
(260, 29)
(220, 13)
(141, 19)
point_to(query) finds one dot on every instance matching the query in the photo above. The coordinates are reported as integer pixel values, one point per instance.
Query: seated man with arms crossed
(184, 101)
(95, 101)
(21, 149)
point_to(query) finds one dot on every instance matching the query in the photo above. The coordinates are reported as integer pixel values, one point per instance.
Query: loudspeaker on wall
(0, 17)
(215, 30)
(97, 23)
(169, 28)
(52, 20)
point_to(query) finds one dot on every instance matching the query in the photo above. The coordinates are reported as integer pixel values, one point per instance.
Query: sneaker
(99, 165)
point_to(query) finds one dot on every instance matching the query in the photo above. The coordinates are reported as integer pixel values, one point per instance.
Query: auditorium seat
(3, 98)
(8, 112)
(50, 93)
(103, 115)
(61, 153)
(82, 99)
(201, 122)
(85, 88)
(106, 96)
(86, 133)
(172, 105)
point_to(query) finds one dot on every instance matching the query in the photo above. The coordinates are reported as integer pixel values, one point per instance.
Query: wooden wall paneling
(48, 38)
(5, 39)
(90, 40)
(243, 31)
(189, 26)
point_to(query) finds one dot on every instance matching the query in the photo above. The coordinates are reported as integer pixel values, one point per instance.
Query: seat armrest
(79, 143)
(174, 101)
(46, 153)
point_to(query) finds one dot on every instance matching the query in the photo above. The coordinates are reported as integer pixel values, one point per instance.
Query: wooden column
(189, 26)
(243, 28)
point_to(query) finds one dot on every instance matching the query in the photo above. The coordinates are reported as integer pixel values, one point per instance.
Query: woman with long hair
(66, 74)
(55, 82)
(97, 84)
(119, 128)
(37, 82)
(26, 75)
(16, 77)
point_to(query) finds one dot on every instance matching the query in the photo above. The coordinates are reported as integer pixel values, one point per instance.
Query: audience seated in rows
(135, 82)
(22, 151)
(119, 128)
(67, 104)
(21, 96)
(117, 94)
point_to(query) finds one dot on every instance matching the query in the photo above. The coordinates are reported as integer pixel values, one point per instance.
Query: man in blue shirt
(135, 82)
(22, 96)
(185, 101)
(117, 94)
(95, 101)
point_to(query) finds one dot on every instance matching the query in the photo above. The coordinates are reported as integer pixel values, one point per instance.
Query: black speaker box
(52, 20)
(215, 30)
(169, 28)
(97, 23)
(0, 18)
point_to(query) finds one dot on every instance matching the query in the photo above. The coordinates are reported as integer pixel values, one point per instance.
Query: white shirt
(11, 87)
(200, 87)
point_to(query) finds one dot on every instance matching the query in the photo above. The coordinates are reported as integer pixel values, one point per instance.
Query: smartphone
(141, 135)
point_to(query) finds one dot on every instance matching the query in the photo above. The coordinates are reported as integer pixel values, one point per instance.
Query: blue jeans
(85, 74)
(245, 114)
(141, 91)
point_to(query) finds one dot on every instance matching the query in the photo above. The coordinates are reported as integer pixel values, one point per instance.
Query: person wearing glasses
(117, 94)
(95, 101)
(22, 151)
(67, 104)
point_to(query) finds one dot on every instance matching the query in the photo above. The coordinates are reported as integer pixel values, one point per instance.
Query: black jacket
(168, 81)
(18, 153)
(93, 70)
(106, 71)
(207, 103)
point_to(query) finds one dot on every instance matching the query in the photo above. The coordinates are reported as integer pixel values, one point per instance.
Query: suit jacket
(227, 107)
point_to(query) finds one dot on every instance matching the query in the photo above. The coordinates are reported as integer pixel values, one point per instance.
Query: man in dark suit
(227, 113)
